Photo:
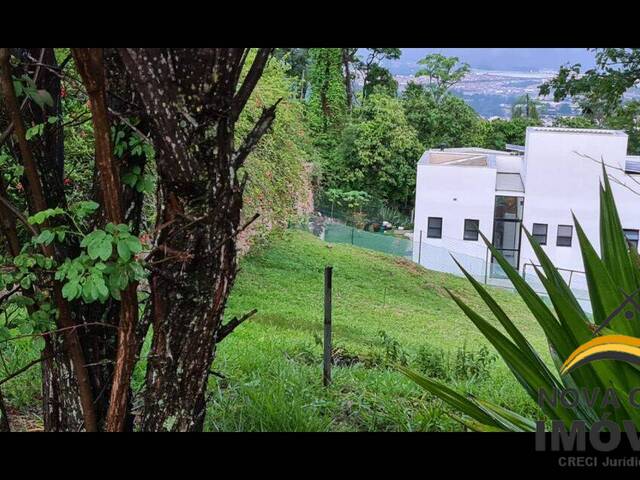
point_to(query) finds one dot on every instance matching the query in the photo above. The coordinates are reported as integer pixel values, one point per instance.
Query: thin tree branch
(250, 81)
(59, 330)
(24, 369)
(14, 210)
(227, 328)
(613, 167)
(254, 136)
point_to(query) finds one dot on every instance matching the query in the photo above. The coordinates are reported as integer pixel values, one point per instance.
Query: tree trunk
(192, 121)
(4, 416)
(37, 202)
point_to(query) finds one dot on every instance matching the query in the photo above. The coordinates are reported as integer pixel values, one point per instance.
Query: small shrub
(464, 364)
(310, 355)
(393, 351)
(432, 361)
(304, 354)
(471, 364)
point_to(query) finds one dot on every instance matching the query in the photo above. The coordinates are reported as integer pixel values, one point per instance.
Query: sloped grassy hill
(385, 309)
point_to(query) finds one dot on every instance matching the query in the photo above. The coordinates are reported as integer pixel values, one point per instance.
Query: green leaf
(101, 247)
(42, 98)
(527, 373)
(71, 290)
(134, 245)
(556, 335)
(17, 86)
(25, 283)
(450, 396)
(604, 294)
(45, 237)
(38, 343)
(84, 208)
(123, 250)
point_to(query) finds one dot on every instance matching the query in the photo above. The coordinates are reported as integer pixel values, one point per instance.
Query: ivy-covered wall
(279, 168)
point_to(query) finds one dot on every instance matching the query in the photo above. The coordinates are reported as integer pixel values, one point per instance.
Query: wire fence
(381, 242)
(413, 246)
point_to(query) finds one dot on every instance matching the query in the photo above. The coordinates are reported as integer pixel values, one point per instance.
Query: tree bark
(192, 123)
(90, 65)
(60, 397)
(38, 203)
(4, 417)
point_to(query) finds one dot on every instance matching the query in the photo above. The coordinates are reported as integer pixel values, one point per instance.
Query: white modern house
(461, 191)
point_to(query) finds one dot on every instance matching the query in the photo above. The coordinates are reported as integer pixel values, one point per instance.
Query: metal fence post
(326, 373)
(486, 265)
(420, 249)
(352, 234)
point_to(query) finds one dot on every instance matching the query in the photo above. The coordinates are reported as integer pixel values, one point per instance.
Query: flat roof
(509, 182)
(449, 158)
(590, 131)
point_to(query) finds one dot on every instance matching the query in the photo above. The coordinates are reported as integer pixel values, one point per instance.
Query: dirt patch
(26, 420)
(409, 266)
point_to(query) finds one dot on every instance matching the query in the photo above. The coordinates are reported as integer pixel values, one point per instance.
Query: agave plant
(611, 278)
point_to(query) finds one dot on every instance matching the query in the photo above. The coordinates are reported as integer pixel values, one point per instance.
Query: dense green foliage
(277, 179)
(498, 132)
(378, 152)
(441, 72)
(372, 145)
(600, 91)
(447, 121)
(327, 104)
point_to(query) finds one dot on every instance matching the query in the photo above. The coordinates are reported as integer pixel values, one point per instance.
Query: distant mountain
(510, 59)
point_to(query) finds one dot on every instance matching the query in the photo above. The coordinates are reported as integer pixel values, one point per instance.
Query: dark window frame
(538, 236)
(430, 228)
(561, 243)
(472, 232)
(632, 242)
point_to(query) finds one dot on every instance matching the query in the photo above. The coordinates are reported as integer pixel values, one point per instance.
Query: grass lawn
(386, 310)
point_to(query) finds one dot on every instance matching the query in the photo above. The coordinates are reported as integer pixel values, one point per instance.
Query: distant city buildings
(492, 93)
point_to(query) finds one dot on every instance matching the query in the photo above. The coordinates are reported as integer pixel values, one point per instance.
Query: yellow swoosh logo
(610, 347)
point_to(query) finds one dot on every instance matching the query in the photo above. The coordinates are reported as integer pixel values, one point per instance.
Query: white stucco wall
(559, 181)
(454, 193)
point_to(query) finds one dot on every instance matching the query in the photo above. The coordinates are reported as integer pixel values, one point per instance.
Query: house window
(565, 232)
(434, 227)
(540, 233)
(471, 228)
(632, 237)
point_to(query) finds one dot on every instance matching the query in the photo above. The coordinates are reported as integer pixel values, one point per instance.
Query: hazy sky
(522, 59)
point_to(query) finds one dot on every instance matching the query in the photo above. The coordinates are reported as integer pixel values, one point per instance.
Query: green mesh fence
(381, 242)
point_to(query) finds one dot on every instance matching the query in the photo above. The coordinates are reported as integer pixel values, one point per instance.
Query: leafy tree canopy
(378, 152)
(442, 72)
(446, 121)
(600, 91)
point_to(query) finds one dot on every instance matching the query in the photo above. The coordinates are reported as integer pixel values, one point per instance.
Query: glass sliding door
(507, 231)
